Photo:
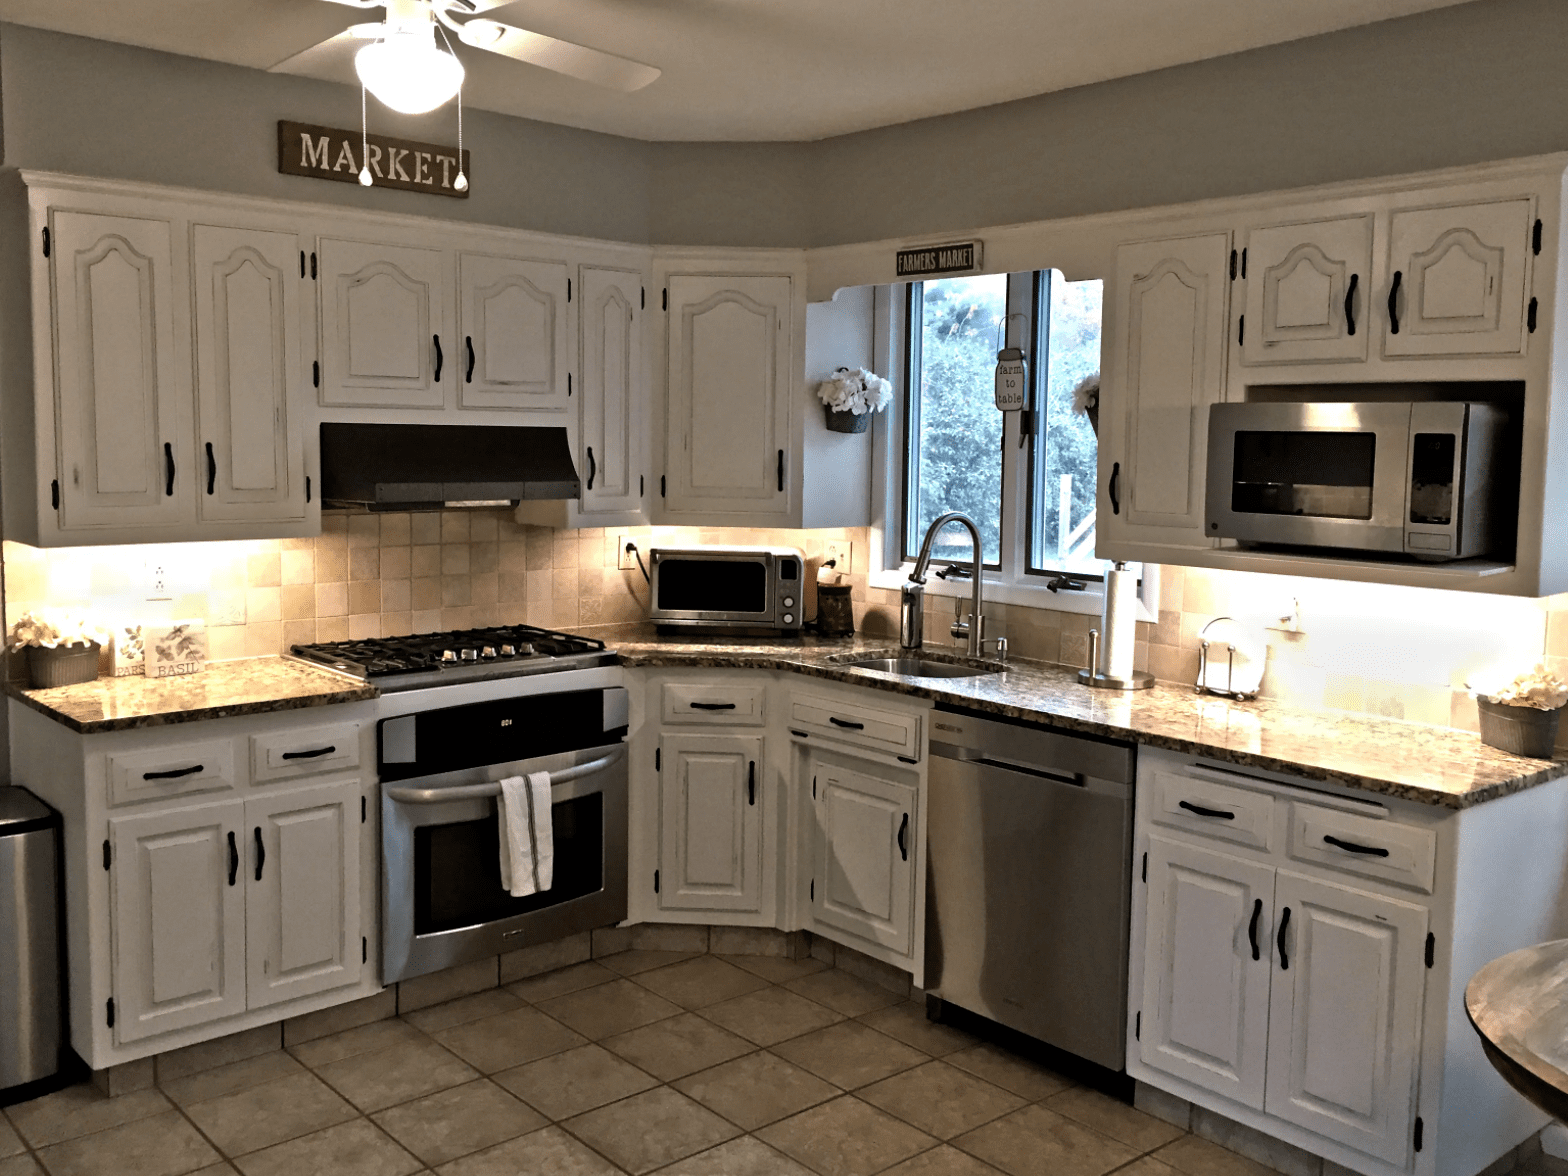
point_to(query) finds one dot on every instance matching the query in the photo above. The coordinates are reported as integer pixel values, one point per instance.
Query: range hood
(435, 467)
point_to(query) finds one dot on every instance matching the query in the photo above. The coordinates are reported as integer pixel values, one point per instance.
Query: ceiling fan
(401, 61)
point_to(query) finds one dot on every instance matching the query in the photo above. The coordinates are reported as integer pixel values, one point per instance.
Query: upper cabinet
(513, 321)
(1308, 287)
(612, 432)
(385, 325)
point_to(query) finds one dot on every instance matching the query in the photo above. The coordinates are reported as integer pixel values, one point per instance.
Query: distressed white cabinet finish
(302, 916)
(179, 918)
(385, 325)
(868, 824)
(513, 323)
(121, 414)
(1205, 997)
(1165, 365)
(245, 286)
(1309, 287)
(710, 822)
(1458, 284)
(612, 440)
(728, 442)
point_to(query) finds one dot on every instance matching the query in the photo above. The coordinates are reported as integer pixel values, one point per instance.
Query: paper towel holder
(1091, 675)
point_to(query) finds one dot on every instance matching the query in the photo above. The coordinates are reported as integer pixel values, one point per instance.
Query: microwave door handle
(493, 788)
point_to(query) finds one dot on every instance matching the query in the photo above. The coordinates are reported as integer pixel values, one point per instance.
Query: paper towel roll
(1119, 624)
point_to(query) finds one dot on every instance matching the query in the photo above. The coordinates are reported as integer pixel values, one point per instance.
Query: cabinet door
(1205, 998)
(251, 447)
(1308, 291)
(1345, 1016)
(728, 445)
(1461, 280)
(513, 323)
(867, 831)
(710, 822)
(1165, 366)
(120, 422)
(612, 448)
(302, 872)
(179, 919)
(385, 341)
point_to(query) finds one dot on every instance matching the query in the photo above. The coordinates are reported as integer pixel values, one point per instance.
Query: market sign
(329, 153)
(926, 262)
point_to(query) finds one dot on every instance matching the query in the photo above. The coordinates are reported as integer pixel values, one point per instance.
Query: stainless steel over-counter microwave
(1429, 479)
(727, 589)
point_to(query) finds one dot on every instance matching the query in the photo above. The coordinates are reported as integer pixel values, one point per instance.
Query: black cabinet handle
(168, 470)
(903, 838)
(469, 341)
(1350, 305)
(593, 467)
(713, 706)
(212, 468)
(781, 471)
(234, 849)
(174, 775)
(1393, 303)
(1217, 814)
(1284, 960)
(1252, 927)
(1113, 488)
(436, 339)
(313, 753)
(846, 724)
(261, 853)
(1352, 847)
(751, 781)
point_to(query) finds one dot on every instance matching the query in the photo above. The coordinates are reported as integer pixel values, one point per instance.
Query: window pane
(955, 460)
(1067, 452)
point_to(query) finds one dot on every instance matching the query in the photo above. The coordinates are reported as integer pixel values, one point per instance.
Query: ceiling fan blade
(330, 56)
(576, 61)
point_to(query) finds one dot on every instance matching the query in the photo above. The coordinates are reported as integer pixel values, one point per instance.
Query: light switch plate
(842, 551)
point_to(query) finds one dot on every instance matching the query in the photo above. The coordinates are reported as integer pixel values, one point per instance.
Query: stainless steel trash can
(30, 1002)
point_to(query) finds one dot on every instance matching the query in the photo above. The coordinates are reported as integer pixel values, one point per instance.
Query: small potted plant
(62, 650)
(849, 397)
(1520, 715)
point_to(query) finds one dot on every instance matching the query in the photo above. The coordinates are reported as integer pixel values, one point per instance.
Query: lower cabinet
(710, 822)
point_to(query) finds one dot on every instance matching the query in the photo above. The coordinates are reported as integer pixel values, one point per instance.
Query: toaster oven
(727, 589)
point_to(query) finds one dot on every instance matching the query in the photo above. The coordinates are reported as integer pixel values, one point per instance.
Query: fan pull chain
(364, 141)
(461, 182)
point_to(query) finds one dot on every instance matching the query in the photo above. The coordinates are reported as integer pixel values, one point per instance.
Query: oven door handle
(484, 791)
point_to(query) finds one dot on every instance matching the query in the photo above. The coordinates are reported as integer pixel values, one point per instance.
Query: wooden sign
(939, 259)
(330, 153)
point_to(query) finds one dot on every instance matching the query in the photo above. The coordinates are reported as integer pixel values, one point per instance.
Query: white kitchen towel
(527, 841)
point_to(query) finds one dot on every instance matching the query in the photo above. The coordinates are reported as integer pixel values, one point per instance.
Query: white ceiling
(760, 69)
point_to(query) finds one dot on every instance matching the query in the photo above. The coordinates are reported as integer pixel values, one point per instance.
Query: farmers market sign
(957, 258)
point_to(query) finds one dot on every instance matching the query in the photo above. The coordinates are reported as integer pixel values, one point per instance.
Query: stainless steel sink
(917, 667)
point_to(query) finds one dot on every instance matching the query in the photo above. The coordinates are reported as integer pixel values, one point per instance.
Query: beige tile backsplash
(1397, 652)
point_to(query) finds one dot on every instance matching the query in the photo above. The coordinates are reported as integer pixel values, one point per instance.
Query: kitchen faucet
(911, 627)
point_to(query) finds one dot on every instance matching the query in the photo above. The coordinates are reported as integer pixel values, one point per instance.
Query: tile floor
(640, 1062)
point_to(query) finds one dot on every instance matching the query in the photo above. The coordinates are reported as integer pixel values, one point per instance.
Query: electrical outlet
(625, 560)
(842, 552)
(157, 580)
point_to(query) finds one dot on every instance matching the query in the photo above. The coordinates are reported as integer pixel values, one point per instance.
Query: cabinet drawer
(180, 770)
(285, 755)
(851, 722)
(1214, 809)
(1402, 854)
(713, 704)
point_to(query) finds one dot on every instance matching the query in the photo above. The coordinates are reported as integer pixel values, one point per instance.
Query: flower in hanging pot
(850, 396)
(1086, 400)
(1520, 714)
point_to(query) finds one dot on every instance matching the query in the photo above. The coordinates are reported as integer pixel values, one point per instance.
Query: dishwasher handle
(1076, 779)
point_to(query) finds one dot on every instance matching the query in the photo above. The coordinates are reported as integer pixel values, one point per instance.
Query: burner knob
(524, 649)
(508, 651)
(448, 656)
(487, 651)
(469, 655)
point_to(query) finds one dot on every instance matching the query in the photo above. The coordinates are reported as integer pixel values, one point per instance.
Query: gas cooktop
(465, 655)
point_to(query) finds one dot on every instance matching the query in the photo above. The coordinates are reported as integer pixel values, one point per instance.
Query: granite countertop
(1518, 1003)
(249, 687)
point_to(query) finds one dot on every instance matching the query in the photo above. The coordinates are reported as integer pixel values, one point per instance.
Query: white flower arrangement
(51, 629)
(1086, 395)
(855, 390)
(1538, 688)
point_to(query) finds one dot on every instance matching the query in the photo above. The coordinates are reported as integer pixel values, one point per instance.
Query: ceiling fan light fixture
(408, 72)
(481, 33)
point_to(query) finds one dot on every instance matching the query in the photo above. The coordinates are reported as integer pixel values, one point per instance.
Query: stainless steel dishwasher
(1029, 835)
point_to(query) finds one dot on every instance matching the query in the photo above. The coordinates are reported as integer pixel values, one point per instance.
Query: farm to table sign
(331, 153)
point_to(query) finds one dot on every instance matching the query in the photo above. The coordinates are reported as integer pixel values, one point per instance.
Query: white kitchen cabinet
(710, 822)
(1309, 287)
(514, 328)
(1167, 310)
(1345, 1016)
(730, 359)
(612, 438)
(179, 918)
(245, 285)
(121, 411)
(386, 338)
(1205, 997)
(1459, 279)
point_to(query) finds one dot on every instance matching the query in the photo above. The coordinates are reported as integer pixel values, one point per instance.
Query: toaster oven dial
(789, 618)
(789, 602)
